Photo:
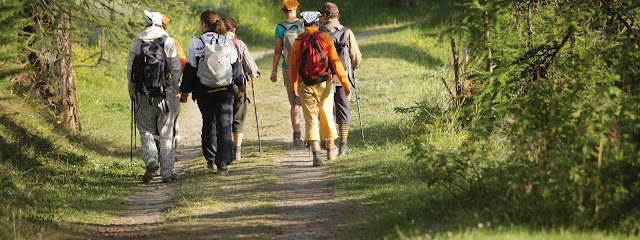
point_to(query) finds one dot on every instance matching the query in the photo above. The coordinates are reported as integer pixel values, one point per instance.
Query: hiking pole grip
(355, 87)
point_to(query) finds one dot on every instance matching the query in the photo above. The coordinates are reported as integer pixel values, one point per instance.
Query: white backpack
(290, 36)
(214, 67)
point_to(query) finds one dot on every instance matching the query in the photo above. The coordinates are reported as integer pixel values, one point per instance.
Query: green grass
(257, 19)
(387, 194)
(67, 180)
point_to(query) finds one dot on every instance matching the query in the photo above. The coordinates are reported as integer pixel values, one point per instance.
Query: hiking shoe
(344, 149)
(317, 158)
(210, 165)
(150, 170)
(173, 177)
(297, 138)
(332, 153)
(236, 156)
(222, 170)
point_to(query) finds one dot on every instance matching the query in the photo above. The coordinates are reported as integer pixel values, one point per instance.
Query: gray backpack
(214, 67)
(340, 39)
(290, 36)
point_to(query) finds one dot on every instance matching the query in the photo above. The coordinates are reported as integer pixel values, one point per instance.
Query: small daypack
(340, 39)
(214, 67)
(290, 36)
(314, 67)
(151, 74)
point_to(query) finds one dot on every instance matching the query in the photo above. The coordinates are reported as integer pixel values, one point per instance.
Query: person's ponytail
(220, 27)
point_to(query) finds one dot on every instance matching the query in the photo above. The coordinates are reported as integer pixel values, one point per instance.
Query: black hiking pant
(217, 114)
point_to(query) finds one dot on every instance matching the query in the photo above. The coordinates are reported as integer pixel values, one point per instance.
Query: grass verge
(67, 181)
(387, 195)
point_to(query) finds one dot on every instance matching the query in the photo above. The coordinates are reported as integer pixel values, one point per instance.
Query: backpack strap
(288, 26)
(345, 30)
(301, 23)
(218, 39)
(202, 40)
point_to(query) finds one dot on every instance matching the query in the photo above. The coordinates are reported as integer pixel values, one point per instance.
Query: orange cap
(290, 4)
(165, 19)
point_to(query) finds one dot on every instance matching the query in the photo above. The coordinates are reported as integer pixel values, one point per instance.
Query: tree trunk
(53, 68)
(456, 63)
(489, 51)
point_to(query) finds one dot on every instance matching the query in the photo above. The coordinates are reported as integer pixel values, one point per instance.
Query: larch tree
(39, 39)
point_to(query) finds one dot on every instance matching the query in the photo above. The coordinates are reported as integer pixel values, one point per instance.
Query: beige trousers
(317, 105)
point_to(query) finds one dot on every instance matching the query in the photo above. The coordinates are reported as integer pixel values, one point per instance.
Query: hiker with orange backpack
(350, 56)
(240, 102)
(285, 34)
(313, 61)
(183, 61)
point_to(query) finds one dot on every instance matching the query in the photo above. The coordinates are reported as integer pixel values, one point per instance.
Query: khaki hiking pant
(317, 105)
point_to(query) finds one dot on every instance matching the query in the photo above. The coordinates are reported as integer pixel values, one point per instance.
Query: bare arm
(276, 59)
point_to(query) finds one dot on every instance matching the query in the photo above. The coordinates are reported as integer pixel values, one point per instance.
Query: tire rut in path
(306, 202)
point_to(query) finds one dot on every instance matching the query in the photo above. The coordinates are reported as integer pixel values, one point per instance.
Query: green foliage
(11, 25)
(555, 141)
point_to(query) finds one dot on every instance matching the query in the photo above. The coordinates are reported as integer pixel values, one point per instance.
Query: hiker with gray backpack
(154, 71)
(212, 70)
(286, 33)
(350, 56)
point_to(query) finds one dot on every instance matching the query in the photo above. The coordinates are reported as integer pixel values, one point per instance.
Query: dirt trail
(306, 205)
(306, 201)
(149, 204)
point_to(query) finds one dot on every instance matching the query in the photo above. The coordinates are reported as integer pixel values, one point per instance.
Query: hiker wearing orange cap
(183, 61)
(285, 34)
(181, 54)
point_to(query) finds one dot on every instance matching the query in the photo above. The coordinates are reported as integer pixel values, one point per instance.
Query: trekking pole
(135, 127)
(255, 109)
(355, 87)
(131, 143)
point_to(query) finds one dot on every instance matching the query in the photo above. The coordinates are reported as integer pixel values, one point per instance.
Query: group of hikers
(317, 64)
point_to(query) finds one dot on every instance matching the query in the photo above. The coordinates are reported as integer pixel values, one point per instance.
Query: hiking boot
(173, 177)
(222, 170)
(236, 156)
(150, 170)
(297, 138)
(332, 153)
(344, 149)
(210, 165)
(317, 158)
